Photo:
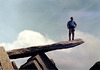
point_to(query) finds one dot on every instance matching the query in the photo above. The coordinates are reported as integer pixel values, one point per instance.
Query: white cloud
(81, 57)
(27, 38)
(78, 58)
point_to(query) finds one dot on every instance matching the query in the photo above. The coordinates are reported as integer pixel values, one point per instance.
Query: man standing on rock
(71, 25)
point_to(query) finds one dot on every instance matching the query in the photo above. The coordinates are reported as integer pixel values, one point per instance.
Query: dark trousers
(71, 31)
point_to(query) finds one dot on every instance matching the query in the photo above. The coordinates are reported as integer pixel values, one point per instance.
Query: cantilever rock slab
(34, 50)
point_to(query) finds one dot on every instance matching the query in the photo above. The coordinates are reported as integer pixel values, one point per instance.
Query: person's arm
(68, 25)
(75, 25)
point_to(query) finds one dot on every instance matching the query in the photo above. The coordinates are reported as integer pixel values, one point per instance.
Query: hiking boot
(72, 38)
(69, 39)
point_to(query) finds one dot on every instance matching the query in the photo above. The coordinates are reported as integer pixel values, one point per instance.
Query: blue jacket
(71, 24)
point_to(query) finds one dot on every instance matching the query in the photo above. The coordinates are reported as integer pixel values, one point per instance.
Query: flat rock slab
(34, 50)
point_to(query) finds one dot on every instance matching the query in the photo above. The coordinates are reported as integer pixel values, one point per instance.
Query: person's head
(71, 18)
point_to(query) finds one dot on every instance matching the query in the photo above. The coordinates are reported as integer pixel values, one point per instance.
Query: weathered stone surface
(96, 66)
(52, 62)
(4, 60)
(14, 65)
(45, 62)
(29, 65)
(39, 62)
(0, 66)
(34, 50)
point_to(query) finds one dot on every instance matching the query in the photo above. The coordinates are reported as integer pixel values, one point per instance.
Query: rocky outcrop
(4, 60)
(96, 66)
(14, 65)
(39, 62)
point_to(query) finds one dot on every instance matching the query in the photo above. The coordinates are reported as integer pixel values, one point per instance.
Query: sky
(26, 23)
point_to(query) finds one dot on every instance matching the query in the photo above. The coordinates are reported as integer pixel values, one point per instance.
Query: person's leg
(73, 34)
(69, 34)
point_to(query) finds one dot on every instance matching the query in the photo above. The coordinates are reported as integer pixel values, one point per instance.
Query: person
(71, 25)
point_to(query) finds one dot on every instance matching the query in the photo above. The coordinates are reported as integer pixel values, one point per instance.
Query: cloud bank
(27, 38)
(79, 58)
